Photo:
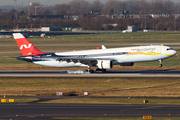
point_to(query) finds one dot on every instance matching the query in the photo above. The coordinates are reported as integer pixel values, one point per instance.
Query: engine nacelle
(126, 64)
(105, 64)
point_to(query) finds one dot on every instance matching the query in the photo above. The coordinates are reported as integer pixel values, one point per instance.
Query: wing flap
(86, 61)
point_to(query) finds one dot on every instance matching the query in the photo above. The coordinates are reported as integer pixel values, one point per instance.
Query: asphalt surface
(55, 73)
(47, 111)
(35, 111)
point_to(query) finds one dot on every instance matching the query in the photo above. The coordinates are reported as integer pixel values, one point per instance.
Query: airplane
(104, 58)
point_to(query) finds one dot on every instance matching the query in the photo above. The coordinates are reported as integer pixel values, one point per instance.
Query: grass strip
(139, 37)
(20, 100)
(114, 101)
(60, 48)
(68, 48)
(149, 87)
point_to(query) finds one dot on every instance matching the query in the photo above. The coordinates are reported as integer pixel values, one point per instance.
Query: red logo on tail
(25, 46)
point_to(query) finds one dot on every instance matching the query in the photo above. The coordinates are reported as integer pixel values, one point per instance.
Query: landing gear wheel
(91, 71)
(101, 70)
(160, 65)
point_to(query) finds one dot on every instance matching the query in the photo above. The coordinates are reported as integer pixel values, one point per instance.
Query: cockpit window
(169, 49)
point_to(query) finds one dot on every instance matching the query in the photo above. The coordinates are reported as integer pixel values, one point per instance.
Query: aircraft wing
(86, 61)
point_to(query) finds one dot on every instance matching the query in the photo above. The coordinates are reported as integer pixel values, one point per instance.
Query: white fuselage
(120, 55)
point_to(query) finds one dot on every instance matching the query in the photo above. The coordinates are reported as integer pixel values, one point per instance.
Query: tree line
(12, 19)
(161, 23)
(81, 7)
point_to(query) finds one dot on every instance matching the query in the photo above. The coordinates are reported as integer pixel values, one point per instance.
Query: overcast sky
(44, 2)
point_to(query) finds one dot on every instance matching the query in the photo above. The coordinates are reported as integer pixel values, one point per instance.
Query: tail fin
(25, 46)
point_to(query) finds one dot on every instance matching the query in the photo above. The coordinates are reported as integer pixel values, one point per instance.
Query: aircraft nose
(174, 52)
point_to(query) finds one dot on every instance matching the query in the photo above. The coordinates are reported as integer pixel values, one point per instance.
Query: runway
(47, 111)
(55, 73)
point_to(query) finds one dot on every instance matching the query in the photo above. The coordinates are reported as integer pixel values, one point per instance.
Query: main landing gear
(89, 70)
(101, 70)
(160, 63)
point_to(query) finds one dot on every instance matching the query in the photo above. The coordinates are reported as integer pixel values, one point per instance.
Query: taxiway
(47, 111)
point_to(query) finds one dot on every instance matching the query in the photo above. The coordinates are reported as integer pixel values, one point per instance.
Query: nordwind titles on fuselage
(152, 49)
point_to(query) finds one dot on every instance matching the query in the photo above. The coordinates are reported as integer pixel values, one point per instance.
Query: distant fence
(95, 31)
(46, 33)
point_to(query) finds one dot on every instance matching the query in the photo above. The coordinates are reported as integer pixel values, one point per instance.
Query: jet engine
(105, 64)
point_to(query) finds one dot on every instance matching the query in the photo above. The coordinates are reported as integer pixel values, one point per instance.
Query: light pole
(174, 22)
(145, 21)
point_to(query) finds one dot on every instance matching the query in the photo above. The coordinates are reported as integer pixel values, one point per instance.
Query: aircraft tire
(160, 65)
(91, 71)
(101, 70)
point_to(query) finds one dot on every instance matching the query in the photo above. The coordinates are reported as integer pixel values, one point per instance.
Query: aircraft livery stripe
(168, 55)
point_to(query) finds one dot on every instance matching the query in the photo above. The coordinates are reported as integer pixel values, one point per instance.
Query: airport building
(130, 29)
(47, 29)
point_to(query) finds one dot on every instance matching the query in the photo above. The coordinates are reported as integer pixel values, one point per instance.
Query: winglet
(25, 46)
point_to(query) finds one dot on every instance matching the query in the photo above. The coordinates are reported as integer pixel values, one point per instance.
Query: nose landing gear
(160, 63)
